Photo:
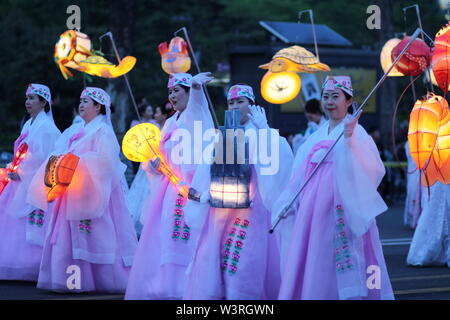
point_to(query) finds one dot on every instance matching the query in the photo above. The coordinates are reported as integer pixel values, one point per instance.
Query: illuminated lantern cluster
(73, 50)
(416, 58)
(440, 61)
(13, 167)
(59, 173)
(142, 143)
(175, 58)
(429, 138)
(281, 83)
(386, 58)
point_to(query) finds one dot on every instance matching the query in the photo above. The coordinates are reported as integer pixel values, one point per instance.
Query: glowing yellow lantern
(141, 143)
(424, 127)
(73, 50)
(280, 87)
(386, 60)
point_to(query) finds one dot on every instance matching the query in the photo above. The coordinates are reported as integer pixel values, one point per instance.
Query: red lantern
(424, 127)
(18, 157)
(440, 61)
(416, 58)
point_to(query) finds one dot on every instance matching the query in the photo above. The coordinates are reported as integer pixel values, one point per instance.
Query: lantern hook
(110, 36)
(211, 107)
(313, 27)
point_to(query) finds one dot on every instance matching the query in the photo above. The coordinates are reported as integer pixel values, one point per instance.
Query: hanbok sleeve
(275, 174)
(98, 171)
(359, 171)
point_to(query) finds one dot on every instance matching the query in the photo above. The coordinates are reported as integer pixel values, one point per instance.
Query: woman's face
(335, 104)
(148, 112)
(159, 116)
(87, 109)
(33, 104)
(241, 103)
(178, 97)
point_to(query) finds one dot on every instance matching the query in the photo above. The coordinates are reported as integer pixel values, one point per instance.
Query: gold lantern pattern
(142, 143)
(230, 182)
(281, 82)
(73, 50)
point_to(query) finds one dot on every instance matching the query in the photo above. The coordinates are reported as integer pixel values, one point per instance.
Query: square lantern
(231, 171)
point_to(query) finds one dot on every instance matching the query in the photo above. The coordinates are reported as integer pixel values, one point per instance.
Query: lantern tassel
(283, 213)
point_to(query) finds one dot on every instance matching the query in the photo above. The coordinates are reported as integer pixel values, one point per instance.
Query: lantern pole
(205, 90)
(358, 112)
(110, 35)
(313, 27)
(419, 20)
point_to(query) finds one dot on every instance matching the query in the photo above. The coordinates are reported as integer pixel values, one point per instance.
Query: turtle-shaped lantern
(295, 59)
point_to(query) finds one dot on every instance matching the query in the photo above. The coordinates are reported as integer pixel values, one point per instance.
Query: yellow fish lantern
(73, 50)
(280, 87)
(141, 143)
(175, 59)
(386, 58)
(424, 128)
(295, 59)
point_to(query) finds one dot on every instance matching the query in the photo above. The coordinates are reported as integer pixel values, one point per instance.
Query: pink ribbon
(19, 141)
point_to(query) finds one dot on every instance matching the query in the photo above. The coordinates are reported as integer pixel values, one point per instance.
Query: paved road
(408, 282)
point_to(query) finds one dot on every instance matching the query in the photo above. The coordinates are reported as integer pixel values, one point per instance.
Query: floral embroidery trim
(85, 226)
(180, 229)
(342, 249)
(236, 236)
(36, 217)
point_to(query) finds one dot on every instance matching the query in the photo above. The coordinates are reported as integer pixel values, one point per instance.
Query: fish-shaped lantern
(73, 50)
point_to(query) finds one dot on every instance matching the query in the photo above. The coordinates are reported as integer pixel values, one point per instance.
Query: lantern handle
(110, 36)
(205, 90)
(282, 215)
(313, 27)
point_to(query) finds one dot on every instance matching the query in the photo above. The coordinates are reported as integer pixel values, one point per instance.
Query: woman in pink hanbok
(237, 258)
(90, 241)
(330, 243)
(22, 226)
(167, 242)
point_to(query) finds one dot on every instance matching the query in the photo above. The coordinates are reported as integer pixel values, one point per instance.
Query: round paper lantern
(280, 87)
(416, 58)
(386, 58)
(440, 60)
(141, 142)
(424, 127)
